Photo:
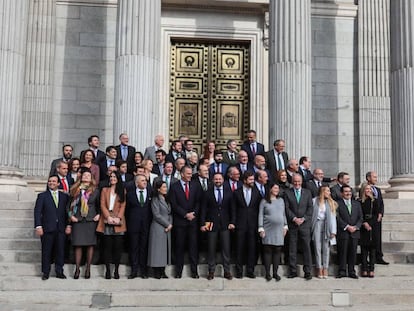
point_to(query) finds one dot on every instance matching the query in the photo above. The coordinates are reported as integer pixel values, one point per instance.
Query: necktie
(375, 192)
(167, 181)
(319, 184)
(349, 206)
(64, 184)
(247, 197)
(297, 194)
(219, 197)
(253, 150)
(55, 198)
(233, 186)
(204, 184)
(262, 192)
(232, 156)
(141, 197)
(218, 168)
(187, 191)
(124, 152)
(279, 162)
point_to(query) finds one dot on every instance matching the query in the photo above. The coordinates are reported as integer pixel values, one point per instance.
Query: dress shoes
(133, 275)
(178, 275)
(108, 275)
(268, 277)
(292, 275)
(228, 276)
(116, 275)
(210, 276)
(60, 275)
(251, 275)
(195, 275)
(76, 274)
(371, 274)
(353, 276)
(88, 273)
(308, 276)
(382, 262)
(277, 277)
(239, 275)
(164, 276)
(144, 276)
(45, 276)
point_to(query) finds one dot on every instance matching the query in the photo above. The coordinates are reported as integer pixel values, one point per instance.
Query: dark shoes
(353, 276)
(88, 273)
(76, 274)
(340, 276)
(308, 276)
(210, 276)
(195, 275)
(268, 277)
(382, 262)
(251, 275)
(292, 275)
(144, 276)
(45, 276)
(60, 275)
(239, 275)
(108, 274)
(277, 277)
(133, 275)
(228, 276)
(116, 275)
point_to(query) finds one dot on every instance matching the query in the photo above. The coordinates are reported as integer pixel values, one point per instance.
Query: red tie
(64, 184)
(233, 186)
(187, 192)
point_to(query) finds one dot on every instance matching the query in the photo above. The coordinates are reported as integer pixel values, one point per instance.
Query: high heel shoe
(88, 273)
(76, 275)
(108, 274)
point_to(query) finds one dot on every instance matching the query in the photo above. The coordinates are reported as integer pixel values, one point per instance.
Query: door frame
(186, 27)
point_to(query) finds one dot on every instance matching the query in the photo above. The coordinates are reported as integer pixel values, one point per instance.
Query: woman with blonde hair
(370, 230)
(323, 229)
(148, 165)
(83, 215)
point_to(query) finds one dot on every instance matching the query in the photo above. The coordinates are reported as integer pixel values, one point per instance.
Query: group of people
(258, 203)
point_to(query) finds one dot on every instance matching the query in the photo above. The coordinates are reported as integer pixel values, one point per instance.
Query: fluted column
(38, 100)
(374, 94)
(402, 97)
(137, 70)
(290, 71)
(13, 25)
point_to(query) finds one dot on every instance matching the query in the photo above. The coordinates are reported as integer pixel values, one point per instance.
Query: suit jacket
(170, 157)
(271, 162)
(130, 158)
(246, 147)
(246, 215)
(103, 168)
(118, 211)
(227, 160)
(313, 188)
(302, 209)
(69, 182)
(150, 154)
(336, 192)
(344, 219)
(54, 164)
(156, 169)
(229, 182)
(180, 206)
(138, 217)
(212, 169)
(46, 214)
(249, 167)
(380, 201)
(221, 215)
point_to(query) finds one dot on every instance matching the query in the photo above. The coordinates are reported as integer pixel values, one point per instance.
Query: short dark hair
(161, 151)
(368, 175)
(302, 159)
(109, 148)
(54, 175)
(345, 186)
(218, 151)
(341, 175)
(67, 145)
(247, 174)
(92, 137)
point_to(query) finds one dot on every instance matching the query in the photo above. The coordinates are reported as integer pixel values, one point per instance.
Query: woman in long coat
(159, 246)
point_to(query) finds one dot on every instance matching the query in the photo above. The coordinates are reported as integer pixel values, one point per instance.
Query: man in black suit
(126, 152)
(233, 181)
(109, 160)
(349, 219)
(251, 146)
(216, 219)
(245, 206)
(65, 180)
(372, 179)
(243, 163)
(292, 168)
(123, 171)
(167, 176)
(299, 210)
(230, 155)
(202, 177)
(138, 217)
(176, 152)
(51, 224)
(343, 179)
(93, 142)
(261, 179)
(185, 205)
(316, 182)
(159, 163)
(218, 166)
(277, 158)
(67, 151)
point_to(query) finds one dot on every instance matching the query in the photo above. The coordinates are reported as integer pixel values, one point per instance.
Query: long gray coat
(159, 244)
(272, 219)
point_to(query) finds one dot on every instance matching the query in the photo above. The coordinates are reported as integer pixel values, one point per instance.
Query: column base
(401, 188)
(13, 186)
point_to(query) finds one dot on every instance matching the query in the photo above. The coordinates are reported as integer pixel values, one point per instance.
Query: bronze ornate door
(209, 92)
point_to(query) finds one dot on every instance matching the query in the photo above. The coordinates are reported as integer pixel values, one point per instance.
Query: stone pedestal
(137, 71)
(13, 27)
(402, 99)
(290, 71)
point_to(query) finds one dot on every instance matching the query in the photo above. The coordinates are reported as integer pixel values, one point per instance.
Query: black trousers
(186, 236)
(303, 234)
(212, 238)
(138, 250)
(368, 257)
(246, 250)
(347, 249)
(112, 248)
(53, 245)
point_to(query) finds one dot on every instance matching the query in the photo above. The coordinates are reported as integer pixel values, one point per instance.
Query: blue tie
(219, 197)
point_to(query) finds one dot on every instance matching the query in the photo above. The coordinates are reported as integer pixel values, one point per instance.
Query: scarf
(84, 208)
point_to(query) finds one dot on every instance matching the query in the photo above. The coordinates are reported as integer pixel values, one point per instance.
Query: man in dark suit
(167, 176)
(372, 179)
(349, 219)
(67, 151)
(216, 219)
(277, 158)
(138, 217)
(218, 166)
(65, 180)
(151, 150)
(185, 205)
(292, 168)
(109, 160)
(176, 152)
(299, 210)
(251, 146)
(123, 171)
(316, 183)
(126, 152)
(159, 163)
(243, 163)
(230, 155)
(261, 179)
(50, 222)
(343, 179)
(245, 206)
(93, 142)
(202, 177)
(233, 180)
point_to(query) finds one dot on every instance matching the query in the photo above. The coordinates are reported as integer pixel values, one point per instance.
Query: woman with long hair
(83, 215)
(323, 229)
(272, 229)
(138, 157)
(148, 165)
(112, 223)
(159, 246)
(282, 181)
(370, 230)
(74, 165)
(208, 152)
(87, 160)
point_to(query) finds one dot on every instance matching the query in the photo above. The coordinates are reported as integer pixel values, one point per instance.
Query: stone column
(137, 70)
(290, 69)
(38, 101)
(402, 98)
(374, 94)
(13, 26)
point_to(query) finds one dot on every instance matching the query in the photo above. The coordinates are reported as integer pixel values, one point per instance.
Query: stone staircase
(22, 289)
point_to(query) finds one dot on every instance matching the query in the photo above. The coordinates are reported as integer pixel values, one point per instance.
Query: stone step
(14, 205)
(397, 226)
(17, 233)
(404, 206)
(391, 247)
(397, 236)
(25, 222)
(20, 244)
(18, 213)
(20, 256)
(389, 218)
